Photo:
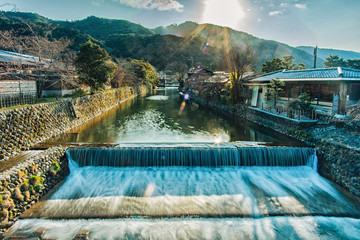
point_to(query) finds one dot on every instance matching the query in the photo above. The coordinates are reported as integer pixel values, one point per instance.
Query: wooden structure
(335, 87)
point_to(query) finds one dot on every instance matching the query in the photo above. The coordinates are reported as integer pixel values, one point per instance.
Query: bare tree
(242, 62)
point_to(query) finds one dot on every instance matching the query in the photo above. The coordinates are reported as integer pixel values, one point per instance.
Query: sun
(224, 13)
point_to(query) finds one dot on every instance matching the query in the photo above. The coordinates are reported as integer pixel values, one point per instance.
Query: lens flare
(217, 140)
(182, 107)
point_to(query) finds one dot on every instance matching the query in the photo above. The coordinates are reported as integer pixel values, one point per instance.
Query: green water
(160, 118)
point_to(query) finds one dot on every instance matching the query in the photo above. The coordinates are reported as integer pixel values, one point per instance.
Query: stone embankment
(21, 128)
(23, 185)
(337, 144)
(24, 181)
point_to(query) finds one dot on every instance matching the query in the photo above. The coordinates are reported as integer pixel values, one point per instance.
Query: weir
(202, 155)
(201, 180)
(189, 187)
(200, 191)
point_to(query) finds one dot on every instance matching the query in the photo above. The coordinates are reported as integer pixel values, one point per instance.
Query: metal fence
(13, 99)
(289, 112)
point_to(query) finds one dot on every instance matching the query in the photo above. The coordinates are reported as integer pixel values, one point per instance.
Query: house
(335, 87)
(49, 78)
(199, 74)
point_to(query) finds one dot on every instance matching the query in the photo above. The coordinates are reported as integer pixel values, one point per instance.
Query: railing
(13, 99)
(289, 112)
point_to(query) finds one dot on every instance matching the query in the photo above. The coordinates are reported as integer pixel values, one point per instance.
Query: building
(25, 74)
(333, 87)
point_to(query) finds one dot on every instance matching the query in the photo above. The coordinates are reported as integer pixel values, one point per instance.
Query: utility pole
(315, 55)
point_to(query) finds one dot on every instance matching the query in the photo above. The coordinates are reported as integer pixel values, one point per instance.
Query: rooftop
(318, 74)
(12, 57)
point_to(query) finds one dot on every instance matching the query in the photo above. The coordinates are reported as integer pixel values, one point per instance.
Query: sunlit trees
(287, 62)
(94, 66)
(144, 72)
(272, 66)
(277, 64)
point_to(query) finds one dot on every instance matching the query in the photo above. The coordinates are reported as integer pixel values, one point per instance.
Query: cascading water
(200, 192)
(193, 190)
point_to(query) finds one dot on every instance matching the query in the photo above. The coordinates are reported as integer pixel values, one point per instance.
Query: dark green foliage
(34, 180)
(38, 187)
(334, 61)
(353, 63)
(93, 65)
(300, 66)
(101, 28)
(272, 66)
(277, 64)
(55, 166)
(287, 63)
(276, 87)
(125, 39)
(303, 102)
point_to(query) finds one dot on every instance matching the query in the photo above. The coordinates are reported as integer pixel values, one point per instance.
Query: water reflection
(157, 119)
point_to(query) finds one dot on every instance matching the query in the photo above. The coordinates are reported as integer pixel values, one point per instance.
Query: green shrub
(303, 103)
(55, 166)
(38, 187)
(36, 180)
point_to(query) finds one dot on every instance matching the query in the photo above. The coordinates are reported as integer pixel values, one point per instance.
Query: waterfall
(202, 155)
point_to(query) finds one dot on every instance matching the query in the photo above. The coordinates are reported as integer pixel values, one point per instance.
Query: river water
(164, 118)
(176, 172)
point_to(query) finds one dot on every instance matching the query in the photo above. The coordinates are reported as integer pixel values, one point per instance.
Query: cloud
(97, 3)
(161, 5)
(301, 6)
(274, 13)
(283, 5)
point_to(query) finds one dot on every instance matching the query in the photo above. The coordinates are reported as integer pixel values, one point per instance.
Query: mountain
(224, 37)
(188, 43)
(101, 28)
(20, 22)
(325, 52)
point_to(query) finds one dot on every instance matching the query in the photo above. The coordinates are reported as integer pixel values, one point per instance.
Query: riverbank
(24, 127)
(25, 176)
(338, 148)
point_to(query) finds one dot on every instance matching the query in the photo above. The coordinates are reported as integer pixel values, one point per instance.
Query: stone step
(21, 157)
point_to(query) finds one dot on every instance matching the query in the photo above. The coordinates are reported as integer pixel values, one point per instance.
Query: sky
(326, 23)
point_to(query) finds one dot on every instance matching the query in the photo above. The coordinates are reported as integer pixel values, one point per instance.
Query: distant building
(26, 74)
(333, 87)
(198, 74)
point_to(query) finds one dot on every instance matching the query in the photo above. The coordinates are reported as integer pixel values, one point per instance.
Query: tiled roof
(318, 74)
(11, 57)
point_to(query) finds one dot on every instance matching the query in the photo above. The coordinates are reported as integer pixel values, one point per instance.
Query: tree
(276, 87)
(272, 66)
(287, 63)
(93, 65)
(241, 62)
(334, 61)
(300, 66)
(303, 102)
(353, 63)
(144, 72)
